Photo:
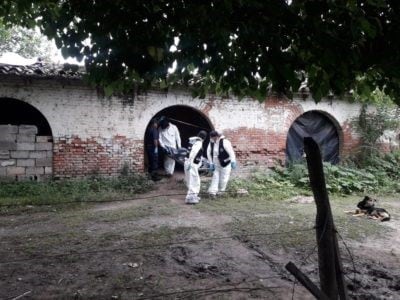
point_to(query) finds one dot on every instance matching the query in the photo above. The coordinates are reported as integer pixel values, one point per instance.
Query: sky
(15, 59)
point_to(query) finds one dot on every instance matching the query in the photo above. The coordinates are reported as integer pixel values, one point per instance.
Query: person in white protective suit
(222, 160)
(192, 164)
(169, 136)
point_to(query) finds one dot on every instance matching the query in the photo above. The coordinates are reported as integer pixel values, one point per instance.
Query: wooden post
(330, 271)
(305, 281)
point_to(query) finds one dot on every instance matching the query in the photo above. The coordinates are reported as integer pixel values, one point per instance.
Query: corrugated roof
(42, 70)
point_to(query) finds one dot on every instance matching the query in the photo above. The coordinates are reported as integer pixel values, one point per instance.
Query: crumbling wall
(24, 155)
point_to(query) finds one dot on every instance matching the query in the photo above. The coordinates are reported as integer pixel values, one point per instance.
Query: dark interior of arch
(16, 112)
(321, 129)
(189, 122)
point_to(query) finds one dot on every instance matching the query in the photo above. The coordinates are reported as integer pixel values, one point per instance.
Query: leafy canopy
(25, 42)
(226, 46)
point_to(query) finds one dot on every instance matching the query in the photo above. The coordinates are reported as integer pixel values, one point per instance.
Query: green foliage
(240, 47)
(269, 185)
(373, 122)
(380, 174)
(93, 189)
(25, 42)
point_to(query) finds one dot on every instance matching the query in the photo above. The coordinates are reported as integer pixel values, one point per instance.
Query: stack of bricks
(24, 155)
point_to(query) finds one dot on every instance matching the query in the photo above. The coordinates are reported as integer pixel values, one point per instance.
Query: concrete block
(44, 162)
(4, 145)
(43, 146)
(8, 137)
(38, 154)
(27, 129)
(44, 138)
(34, 170)
(25, 178)
(26, 138)
(15, 171)
(48, 170)
(25, 146)
(19, 154)
(8, 129)
(3, 171)
(25, 162)
(8, 162)
(49, 153)
(4, 154)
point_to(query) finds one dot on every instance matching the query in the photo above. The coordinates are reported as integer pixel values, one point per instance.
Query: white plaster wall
(342, 111)
(78, 110)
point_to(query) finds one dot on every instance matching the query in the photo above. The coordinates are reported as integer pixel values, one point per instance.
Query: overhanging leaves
(237, 46)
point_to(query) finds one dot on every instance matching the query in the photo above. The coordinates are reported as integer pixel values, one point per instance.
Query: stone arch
(26, 142)
(189, 121)
(320, 125)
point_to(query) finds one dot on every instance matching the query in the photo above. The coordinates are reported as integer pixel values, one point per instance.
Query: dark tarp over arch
(321, 129)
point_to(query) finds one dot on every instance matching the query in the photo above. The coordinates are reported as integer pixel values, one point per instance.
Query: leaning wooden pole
(328, 254)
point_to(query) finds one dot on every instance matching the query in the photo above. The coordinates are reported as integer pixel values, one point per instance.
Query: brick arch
(188, 119)
(332, 120)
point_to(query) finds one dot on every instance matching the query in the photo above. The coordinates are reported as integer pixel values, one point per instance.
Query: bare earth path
(156, 247)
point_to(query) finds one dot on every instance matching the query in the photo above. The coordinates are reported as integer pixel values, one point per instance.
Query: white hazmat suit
(221, 174)
(169, 137)
(192, 177)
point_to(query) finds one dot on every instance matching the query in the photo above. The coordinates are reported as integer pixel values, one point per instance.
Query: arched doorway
(318, 126)
(26, 142)
(17, 112)
(189, 122)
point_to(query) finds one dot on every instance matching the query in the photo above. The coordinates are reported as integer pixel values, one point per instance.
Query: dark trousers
(153, 160)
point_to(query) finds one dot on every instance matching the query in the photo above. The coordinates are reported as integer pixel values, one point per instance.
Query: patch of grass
(291, 224)
(79, 190)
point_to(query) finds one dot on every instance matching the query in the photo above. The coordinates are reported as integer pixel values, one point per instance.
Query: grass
(82, 190)
(267, 209)
(294, 222)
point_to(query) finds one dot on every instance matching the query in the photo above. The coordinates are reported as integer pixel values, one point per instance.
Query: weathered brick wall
(97, 135)
(24, 155)
(76, 157)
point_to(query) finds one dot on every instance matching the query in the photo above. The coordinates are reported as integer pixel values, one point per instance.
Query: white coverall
(169, 137)
(192, 177)
(221, 174)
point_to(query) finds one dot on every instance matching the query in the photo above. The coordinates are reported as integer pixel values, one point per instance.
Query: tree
(25, 42)
(232, 46)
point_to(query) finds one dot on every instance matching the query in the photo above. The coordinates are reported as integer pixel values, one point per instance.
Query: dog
(367, 207)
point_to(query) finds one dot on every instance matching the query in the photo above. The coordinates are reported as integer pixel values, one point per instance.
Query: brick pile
(24, 155)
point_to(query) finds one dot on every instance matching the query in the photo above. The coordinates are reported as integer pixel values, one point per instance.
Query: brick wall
(24, 155)
(76, 157)
(97, 135)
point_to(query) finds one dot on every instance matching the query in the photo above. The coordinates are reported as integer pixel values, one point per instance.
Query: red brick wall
(75, 157)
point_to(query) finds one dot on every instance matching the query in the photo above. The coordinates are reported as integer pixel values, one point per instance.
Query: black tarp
(321, 129)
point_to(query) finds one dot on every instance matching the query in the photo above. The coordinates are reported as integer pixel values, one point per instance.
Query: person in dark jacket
(152, 143)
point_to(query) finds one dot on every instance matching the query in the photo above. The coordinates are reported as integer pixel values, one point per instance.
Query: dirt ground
(156, 247)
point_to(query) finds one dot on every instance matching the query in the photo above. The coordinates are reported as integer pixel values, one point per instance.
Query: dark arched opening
(318, 126)
(26, 142)
(16, 112)
(189, 122)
